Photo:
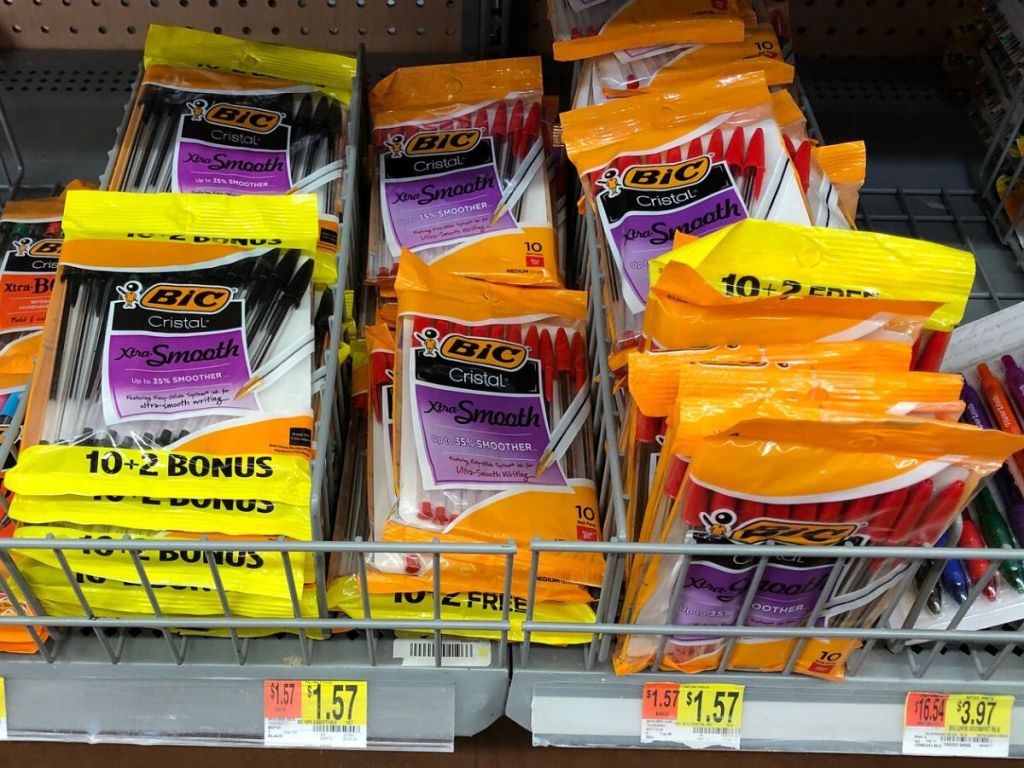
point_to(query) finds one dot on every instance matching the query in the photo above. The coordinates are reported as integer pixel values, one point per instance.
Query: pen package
(706, 397)
(176, 351)
(232, 517)
(685, 311)
(493, 435)
(460, 153)
(245, 569)
(588, 28)
(30, 244)
(814, 261)
(759, 52)
(110, 597)
(380, 467)
(16, 639)
(657, 376)
(837, 173)
(689, 161)
(411, 572)
(851, 481)
(209, 118)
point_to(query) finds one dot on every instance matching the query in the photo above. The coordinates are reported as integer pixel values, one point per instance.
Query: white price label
(328, 714)
(454, 653)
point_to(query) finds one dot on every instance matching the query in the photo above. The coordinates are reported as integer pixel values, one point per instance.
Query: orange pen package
(845, 481)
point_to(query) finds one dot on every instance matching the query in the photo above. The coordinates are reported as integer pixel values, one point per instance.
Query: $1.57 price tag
(706, 715)
(3, 710)
(957, 724)
(315, 713)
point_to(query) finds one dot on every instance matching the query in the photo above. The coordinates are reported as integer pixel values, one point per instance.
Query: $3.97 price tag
(957, 724)
(314, 713)
(705, 715)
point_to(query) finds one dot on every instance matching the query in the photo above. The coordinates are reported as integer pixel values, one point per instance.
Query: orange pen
(999, 405)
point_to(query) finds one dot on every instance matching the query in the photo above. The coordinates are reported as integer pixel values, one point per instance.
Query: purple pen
(1014, 379)
(974, 413)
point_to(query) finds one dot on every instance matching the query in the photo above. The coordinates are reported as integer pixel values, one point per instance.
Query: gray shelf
(65, 108)
(564, 704)
(212, 700)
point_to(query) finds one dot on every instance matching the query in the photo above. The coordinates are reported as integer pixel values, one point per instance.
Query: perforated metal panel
(874, 27)
(427, 26)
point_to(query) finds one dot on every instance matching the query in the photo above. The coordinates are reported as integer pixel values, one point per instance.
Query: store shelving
(923, 181)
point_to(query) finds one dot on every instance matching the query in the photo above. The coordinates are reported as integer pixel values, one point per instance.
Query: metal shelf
(212, 700)
(564, 704)
(920, 184)
(65, 108)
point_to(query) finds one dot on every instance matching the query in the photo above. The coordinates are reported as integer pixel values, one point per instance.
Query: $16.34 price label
(708, 715)
(957, 724)
(315, 713)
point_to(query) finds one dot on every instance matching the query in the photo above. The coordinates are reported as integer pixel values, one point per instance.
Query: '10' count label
(694, 715)
(955, 724)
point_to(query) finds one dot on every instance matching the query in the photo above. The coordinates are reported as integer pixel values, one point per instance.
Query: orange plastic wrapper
(847, 481)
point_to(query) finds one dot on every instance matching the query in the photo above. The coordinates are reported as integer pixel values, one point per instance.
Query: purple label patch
(641, 224)
(481, 426)
(432, 200)
(712, 595)
(230, 159)
(154, 375)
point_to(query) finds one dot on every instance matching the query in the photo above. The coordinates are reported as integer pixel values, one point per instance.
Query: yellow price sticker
(710, 706)
(319, 713)
(334, 702)
(3, 709)
(978, 714)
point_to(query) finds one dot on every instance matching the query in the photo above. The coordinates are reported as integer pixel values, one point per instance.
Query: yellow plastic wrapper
(225, 516)
(344, 595)
(244, 569)
(812, 261)
(114, 598)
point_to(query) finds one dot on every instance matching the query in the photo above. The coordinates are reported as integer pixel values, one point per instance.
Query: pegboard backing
(874, 27)
(422, 26)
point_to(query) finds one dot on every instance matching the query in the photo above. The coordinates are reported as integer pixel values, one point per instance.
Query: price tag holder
(3, 709)
(957, 724)
(327, 714)
(698, 716)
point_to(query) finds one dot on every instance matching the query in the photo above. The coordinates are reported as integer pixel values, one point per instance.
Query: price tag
(3, 710)
(695, 715)
(315, 713)
(963, 725)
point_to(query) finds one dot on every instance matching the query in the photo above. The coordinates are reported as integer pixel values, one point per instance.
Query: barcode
(325, 728)
(952, 738)
(708, 731)
(424, 649)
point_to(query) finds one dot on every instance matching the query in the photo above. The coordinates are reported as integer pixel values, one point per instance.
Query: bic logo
(442, 142)
(49, 248)
(496, 354)
(168, 297)
(246, 118)
(792, 532)
(667, 176)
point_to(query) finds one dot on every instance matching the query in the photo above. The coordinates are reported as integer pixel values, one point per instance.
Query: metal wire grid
(617, 547)
(12, 168)
(1000, 162)
(113, 634)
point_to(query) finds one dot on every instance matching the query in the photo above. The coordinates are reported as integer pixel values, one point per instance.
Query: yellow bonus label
(710, 706)
(978, 715)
